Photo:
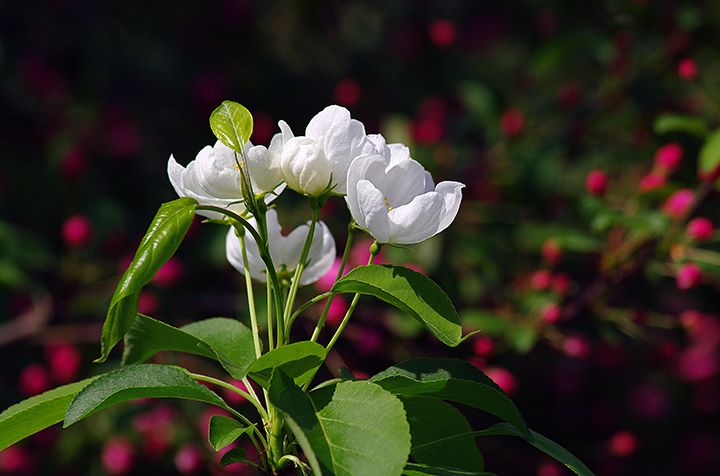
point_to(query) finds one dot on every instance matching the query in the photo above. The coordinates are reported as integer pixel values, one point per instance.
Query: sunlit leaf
(157, 246)
(409, 291)
(232, 124)
(352, 428)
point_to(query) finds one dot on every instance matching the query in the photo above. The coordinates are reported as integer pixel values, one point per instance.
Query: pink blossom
(505, 380)
(442, 32)
(34, 379)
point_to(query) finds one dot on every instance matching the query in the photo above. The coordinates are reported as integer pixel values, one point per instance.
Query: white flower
(284, 250)
(394, 198)
(331, 141)
(214, 179)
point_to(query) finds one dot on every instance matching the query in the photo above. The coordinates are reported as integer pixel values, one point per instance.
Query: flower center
(387, 203)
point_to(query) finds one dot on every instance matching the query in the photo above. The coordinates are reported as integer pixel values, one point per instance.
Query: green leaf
(148, 336)
(37, 413)
(298, 360)
(544, 444)
(441, 436)
(709, 155)
(233, 455)
(224, 430)
(352, 428)
(231, 341)
(157, 246)
(422, 470)
(137, 381)
(453, 380)
(219, 338)
(680, 123)
(409, 291)
(232, 124)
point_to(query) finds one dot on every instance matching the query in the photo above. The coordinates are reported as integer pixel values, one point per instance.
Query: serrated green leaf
(409, 291)
(709, 155)
(223, 430)
(679, 123)
(453, 380)
(352, 428)
(137, 381)
(544, 444)
(232, 124)
(441, 436)
(37, 413)
(412, 469)
(233, 455)
(157, 246)
(299, 360)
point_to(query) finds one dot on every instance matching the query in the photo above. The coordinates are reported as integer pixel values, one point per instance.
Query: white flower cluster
(389, 194)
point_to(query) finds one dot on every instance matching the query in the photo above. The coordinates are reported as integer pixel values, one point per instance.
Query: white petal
(322, 255)
(304, 166)
(372, 210)
(264, 169)
(406, 180)
(359, 171)
(452, 196)
(418, 220)
(233, 251)
(341, 139)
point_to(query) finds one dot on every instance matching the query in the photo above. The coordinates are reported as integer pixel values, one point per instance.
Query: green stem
(295, 284)
(262, 249)
(251, 299)
(346, 254)
(250, 398)
(374, 251)
(269, 293)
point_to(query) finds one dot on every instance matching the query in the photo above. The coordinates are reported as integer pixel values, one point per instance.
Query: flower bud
(668, 158)
(651, 181)
(77, 231)
(678, 203)
(699, 229)
(689, 275)
(551, 313)
(596, 182)
(304, 166)
(551, 251)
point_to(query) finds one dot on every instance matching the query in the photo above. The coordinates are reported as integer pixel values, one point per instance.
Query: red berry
(596, 182)
(699, 229)
(688, 276)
